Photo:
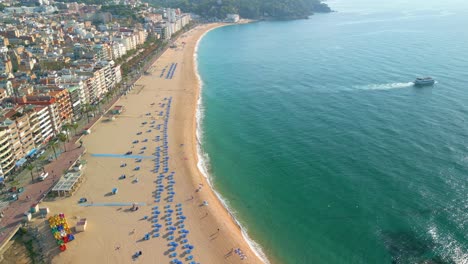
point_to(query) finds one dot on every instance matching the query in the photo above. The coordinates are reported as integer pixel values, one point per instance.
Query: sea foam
(204, 162)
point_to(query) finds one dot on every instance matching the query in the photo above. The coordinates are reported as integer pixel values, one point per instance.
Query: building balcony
(4, 139)
(4, 146)
(45, 124)
(4, 156)
(8, 165)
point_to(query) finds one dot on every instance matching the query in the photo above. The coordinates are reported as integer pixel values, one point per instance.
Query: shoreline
(114, 231)
(203, 158)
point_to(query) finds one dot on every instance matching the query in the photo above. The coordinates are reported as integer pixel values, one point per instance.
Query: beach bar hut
(44, 211)
(81, 225)
(34, 208)
(117, 110)
(27, 216)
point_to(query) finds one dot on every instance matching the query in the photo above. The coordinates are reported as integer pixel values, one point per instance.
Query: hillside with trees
(254, 9)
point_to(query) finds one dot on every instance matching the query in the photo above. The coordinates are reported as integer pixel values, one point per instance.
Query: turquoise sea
(322, 147)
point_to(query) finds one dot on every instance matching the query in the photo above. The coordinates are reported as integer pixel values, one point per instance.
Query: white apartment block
(45, 123)
(118, 50)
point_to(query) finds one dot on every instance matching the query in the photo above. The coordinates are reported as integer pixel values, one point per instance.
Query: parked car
(43, 176)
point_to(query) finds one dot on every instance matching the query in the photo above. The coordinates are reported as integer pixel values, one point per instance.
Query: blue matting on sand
(103, 155)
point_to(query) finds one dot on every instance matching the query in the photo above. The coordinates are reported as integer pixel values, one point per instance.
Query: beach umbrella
(174, 244)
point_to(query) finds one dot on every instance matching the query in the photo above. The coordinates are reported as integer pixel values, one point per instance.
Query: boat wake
(383, 86)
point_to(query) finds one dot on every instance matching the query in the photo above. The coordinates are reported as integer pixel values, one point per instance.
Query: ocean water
(322, 147)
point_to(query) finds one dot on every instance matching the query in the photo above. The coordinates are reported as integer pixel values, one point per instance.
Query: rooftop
(67, 182)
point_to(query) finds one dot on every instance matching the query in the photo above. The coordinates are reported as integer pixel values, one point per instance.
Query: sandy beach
(115, 232)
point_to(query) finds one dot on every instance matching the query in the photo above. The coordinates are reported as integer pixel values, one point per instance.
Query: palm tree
(63, 138)
(41, 161)
(86, 108)
(30, 168)
(53, 144)
(74, 126)
(66, 128)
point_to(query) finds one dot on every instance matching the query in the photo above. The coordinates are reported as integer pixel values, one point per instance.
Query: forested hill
(254, 9)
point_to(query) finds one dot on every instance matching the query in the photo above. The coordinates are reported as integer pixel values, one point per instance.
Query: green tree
(66, 128)
(87, 108)
(30, 168)
(41, 160)
(63, 138)
(74, 125)
(53, 144)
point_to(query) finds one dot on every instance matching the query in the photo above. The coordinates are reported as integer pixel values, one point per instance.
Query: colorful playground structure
(60, 230)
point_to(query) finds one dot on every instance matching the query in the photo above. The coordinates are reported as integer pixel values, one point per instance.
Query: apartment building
(45, 123)
(9, 127)
(118, 50)
(23, 128)
(102, 51)
(50, 103)
(63, 103)
(7, 157)
(76, 88)
(34, 125)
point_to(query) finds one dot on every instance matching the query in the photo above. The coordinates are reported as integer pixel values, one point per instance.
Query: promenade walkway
(36, 191)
